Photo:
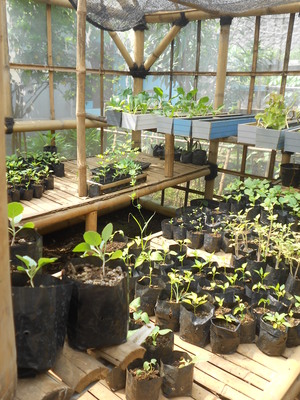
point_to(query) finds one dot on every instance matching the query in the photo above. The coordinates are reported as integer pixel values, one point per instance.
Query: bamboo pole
(287, 53)
(102, 103)
(80, 98)
(162, 46)
(46, 125)
(219, 95)
(51, 73)
(254, 64)
(91, 221)
(8, 368)
(118, 42)
(138, 82)
(6, 72)
(192, 15)
(169, 155)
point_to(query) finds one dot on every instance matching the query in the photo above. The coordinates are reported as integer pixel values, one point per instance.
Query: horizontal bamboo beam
(55, 125)
(193, 15)
(43, 221)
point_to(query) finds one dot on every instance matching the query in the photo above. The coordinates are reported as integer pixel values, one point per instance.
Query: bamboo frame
(80, 98)
(254, 64)
(8, 370)
(6, 71)
(51, 73)
(162, 46)
(45, 125)
(118, 42)
(287, 53)
(219, 98)
(138, 51)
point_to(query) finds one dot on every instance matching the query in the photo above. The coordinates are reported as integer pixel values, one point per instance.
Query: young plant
(149, 256)
(275, 115)
(157, 331)
(95, 245)
(178, 291)
(138, 315)
(265, 303)
(14, 213)
(279, 290)
(149, 367)
(276, 320)
(32, 267)
(240, 309)
(195, 301)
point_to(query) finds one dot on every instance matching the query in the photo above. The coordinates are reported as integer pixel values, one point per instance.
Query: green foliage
(138, 315)
(15, 215)
(95, 245)
(157, 331)
(275, 114)
(148, 368)
(276, 320)
(32, 267)
(195, 301)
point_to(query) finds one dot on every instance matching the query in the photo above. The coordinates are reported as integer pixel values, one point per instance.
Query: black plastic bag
(40, 317)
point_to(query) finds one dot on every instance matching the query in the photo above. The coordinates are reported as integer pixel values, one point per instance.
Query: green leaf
(117, 254)
(44, 261)
(14, 209)
(29, 225)
(92, 238)
(107, 232)
(82, 248)
(28, 261)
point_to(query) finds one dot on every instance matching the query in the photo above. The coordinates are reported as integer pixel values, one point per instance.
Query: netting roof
(121, 15)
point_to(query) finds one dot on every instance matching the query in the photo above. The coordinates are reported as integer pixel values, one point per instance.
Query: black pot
(196, 239)
(224, 340)
(167, 314)
(195, 329)
(177, 381)
(31, 245)
(227, 244)
(276, 275)
(271, 341)
(179, 232)
(167, 229)
(49, 182)
(15, 195)
(37, 190)
(98, 315)
(137, 389)
(253, 266)
(148, 294)
(50, 149)
(225, 206)
(186, 157)
(26, 194)
(290, 174)
(163, 348)
(212, 242)
(199, 157)
(93, 190)
(292, 285)
(293, 337)
(59, 169)
(248, 330)
(40, 317)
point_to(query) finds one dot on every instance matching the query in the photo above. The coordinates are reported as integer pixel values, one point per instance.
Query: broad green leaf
(107, 232)
(28, 225)
(28, 261)
(92, 238)
(117, 254)
(82, 248)
(14, 209)
(44, 261)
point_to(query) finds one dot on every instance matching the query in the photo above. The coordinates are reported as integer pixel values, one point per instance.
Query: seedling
(138, 315)
(241, 309)
(276, 320)
(195, 301)
(32, 267)
(14, 213)
(95, 245)
(148, 368)
(264, 302)
(157, 331)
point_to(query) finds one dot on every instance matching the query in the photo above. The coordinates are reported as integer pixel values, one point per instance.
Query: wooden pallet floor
(247, 374)
(64, 202)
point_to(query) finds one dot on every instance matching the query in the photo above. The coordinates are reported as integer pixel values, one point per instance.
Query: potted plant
(273, 333)
(248, 323)
(177, 372)
(99, 305)
(143, 380)
(224, 334)
(159, 343)
(39, 335)
(195, 316)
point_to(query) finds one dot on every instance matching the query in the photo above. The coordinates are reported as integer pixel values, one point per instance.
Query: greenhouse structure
(150, 160)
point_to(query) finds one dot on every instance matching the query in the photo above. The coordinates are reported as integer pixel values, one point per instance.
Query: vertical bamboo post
(6, 72)
(80, 98)
(101, 88)
(138, 82)
(91, 221)
(50, 64)
(8, 368)
(225, 23)
(169, 155)
(254, 64)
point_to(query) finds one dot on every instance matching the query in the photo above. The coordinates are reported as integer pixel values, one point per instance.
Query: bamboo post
(91, 221)
(162, 46)
(287, 53)
(254, 64)
(80, 98)
(8, 368)
(118, 42)
(219, 94)
(51, 73)
(138, 82)
(6, 72)
(169, 155)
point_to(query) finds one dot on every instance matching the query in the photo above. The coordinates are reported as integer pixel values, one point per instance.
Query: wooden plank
(42, 387)
(100, 391)
(77, 369)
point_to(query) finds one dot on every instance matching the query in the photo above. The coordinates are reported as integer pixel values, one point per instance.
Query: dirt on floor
(61, 243)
